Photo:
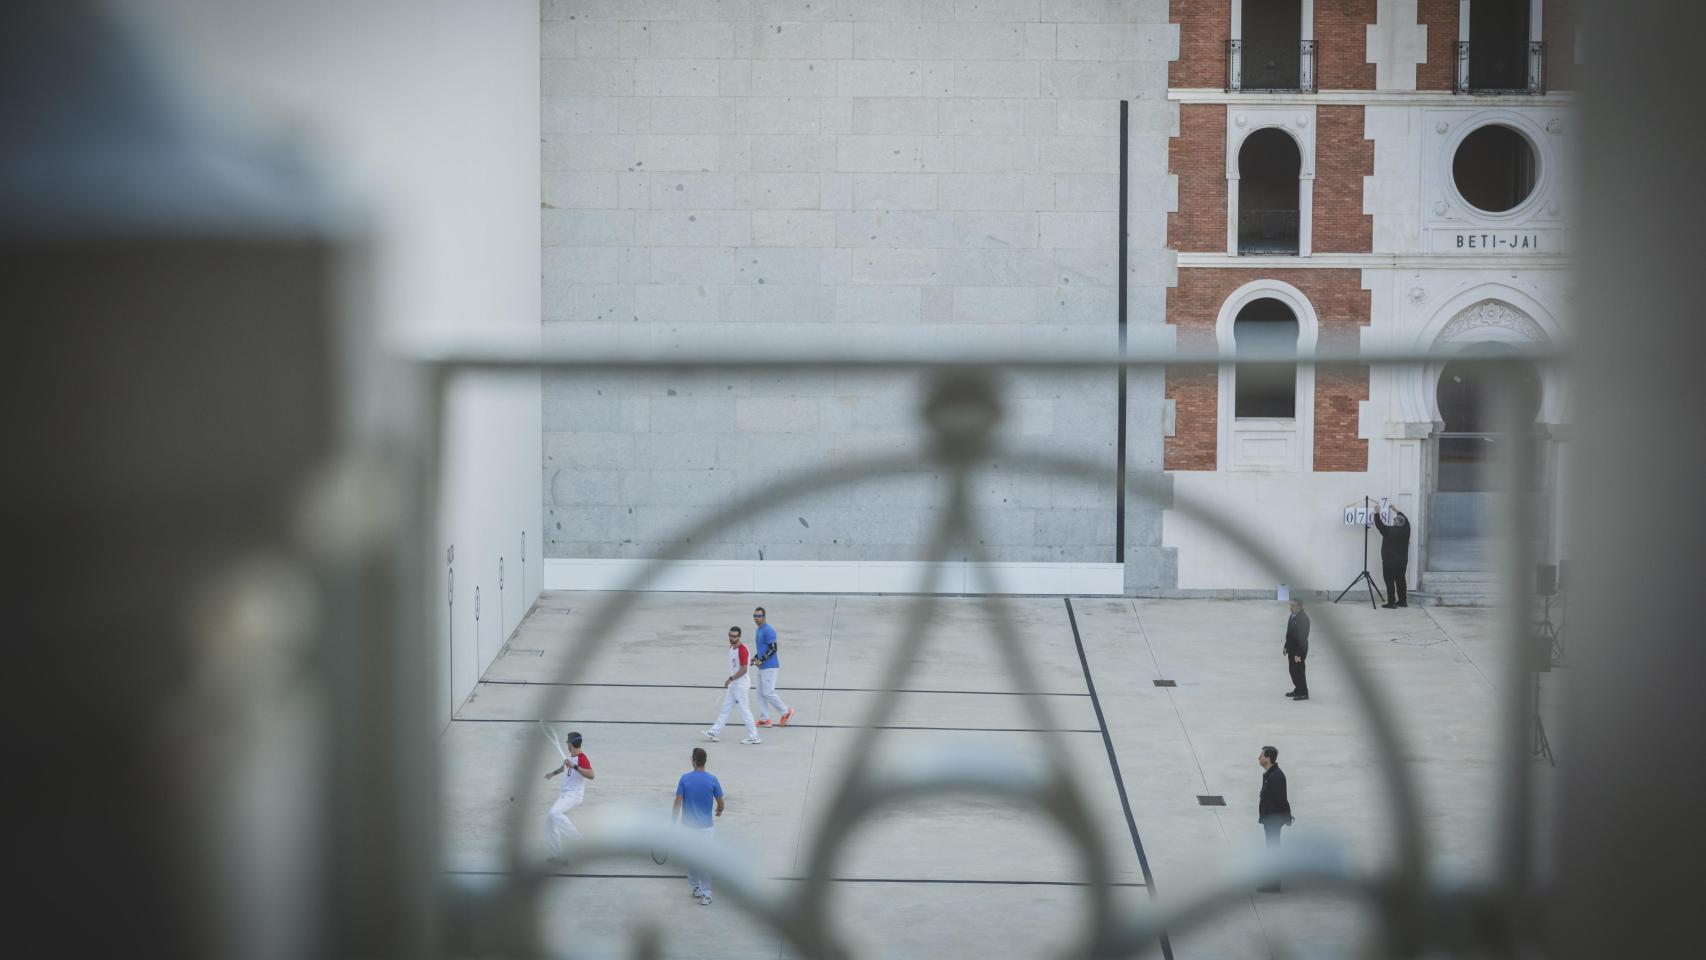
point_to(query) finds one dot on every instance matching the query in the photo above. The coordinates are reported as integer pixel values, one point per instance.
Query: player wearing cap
(576, 770)
(735, 688)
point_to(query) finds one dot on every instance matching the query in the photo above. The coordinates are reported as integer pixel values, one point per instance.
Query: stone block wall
(880, 175)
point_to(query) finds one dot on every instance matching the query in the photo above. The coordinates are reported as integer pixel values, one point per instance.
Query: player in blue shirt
(695, 793)
(769, 661)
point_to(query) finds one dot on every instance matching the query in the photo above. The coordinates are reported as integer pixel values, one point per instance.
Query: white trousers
(558, 824)
(701, 881)
(767, 698)
(735, 695)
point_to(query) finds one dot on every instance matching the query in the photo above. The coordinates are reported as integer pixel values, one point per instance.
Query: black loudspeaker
(1545, 580)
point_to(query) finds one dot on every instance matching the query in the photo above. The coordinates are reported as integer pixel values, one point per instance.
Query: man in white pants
(769, 665)
(735, 692)
(694, 795)
(576, 770)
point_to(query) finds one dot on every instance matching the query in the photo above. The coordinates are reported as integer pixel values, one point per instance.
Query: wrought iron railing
(1511, 66)
(1258, 66)
(1273, 232)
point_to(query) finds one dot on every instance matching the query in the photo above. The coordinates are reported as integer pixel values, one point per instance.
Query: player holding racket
(694, 794)
(577, 770)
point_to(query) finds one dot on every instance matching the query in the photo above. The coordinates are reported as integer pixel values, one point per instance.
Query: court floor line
(713, 686)
(1114, 765)
(895, 880)
(792, 726)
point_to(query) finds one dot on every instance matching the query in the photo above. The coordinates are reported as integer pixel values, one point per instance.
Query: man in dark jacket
(1394, 557)
(1297, 650)
(1273, 809)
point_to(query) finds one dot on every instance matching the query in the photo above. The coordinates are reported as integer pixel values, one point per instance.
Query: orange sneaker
(763, 723)
(783, 720)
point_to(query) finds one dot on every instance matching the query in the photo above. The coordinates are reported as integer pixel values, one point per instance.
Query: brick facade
(1342, 158)
(1341, 44)
(1342, 308)
(1205, 26)
(1197, 156)
(1440, 71)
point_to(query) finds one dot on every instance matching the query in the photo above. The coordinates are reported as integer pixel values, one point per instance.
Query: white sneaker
(752, 739)
(704, 900)
(709, 735)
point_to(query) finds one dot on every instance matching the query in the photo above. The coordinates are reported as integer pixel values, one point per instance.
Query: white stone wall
(879, 175)
(425, 112)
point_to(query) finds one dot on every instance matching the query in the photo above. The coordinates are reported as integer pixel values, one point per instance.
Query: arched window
(1265, 327)
(1266, 411)
(1269, 164)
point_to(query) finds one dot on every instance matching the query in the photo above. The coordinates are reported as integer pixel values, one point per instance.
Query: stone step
(1460, 578)
(1460, 588)
(1424, 598)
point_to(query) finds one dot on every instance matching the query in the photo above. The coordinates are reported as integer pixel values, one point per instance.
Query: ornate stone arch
(1483, 313)
(1298, 122)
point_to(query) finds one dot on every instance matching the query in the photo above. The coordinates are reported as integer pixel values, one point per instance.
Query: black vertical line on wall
(1119, 496)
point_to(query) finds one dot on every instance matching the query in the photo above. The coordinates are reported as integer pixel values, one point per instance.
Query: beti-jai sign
(1492, 241)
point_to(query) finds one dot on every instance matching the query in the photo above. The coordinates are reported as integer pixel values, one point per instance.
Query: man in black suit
(1273, 809)
(1394, 557)
(1297, 650)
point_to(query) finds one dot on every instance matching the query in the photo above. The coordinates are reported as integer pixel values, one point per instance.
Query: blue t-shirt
(767, 636)
(698, 790)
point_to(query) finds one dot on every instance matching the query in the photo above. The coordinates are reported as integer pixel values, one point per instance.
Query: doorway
(1469, 492)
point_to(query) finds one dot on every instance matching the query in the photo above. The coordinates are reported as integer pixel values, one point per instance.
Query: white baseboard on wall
(833, 576)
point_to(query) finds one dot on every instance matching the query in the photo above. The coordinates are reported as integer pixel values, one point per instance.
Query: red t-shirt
(573, 782)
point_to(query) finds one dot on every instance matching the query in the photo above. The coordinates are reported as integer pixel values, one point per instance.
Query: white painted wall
(1297, 516)
(428, 112)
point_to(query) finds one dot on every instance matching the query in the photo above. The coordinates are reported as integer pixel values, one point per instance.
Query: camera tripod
(1364, 576)
(1542, 748)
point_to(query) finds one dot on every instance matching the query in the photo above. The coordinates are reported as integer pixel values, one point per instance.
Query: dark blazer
(1297, 635)
(1273, 802)
(1394, 541)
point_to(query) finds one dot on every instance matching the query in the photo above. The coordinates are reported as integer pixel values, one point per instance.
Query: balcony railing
(1501, 67)
(1267, 232)
(1260, 66)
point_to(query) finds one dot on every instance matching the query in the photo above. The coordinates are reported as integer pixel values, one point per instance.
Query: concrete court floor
(971, 877)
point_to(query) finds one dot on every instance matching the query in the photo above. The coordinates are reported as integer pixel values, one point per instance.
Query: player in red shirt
(577, 770)
(735, 689)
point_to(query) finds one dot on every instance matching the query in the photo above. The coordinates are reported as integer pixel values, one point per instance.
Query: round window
(1495, 168)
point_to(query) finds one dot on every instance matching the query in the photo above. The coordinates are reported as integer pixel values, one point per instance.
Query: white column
(1231, 215)
(1305, 215)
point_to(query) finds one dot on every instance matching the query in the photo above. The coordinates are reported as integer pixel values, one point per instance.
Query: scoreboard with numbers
(1362, 515)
